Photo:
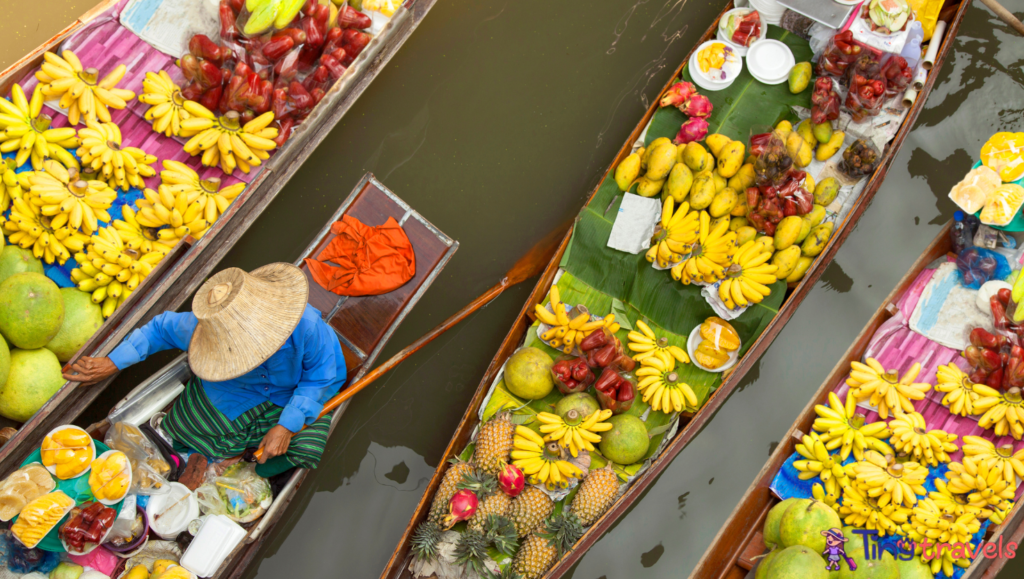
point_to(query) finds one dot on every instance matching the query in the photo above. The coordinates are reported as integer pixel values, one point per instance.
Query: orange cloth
(371, 260)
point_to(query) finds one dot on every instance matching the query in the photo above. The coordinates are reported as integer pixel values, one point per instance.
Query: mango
(645, 156)
(822, 132)
(818, 238)
(786, 260)
(662, 158)
(799, 150)
(805, 230)
(723, 203)
(731, 159)
(767, 242)
(703, 191)
(680, 179)
(816, 216)
(741, 208)
(806, 132)
(787, 231)
(826, 191)
(627, 172)
(649, 187)
(737, 222)
(716, 142)
(715, 221)
(784, 128)
(799, 77)
(745, 234)
(720, 181)
(809, 183)
(802, 265)
(832, 147)
(744, 178)
(695, 157)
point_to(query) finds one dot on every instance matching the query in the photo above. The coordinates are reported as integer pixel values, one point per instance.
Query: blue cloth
(301, 376)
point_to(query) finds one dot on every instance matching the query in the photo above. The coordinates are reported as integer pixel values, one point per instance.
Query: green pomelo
(765, 565)
(33, 378)
(913, 569)
(528, 374)
(797, 562)
(14, 259)
(884, 568)
(771, 522)
(581, 402)
(803, 523)
(5, 361)
(31, 310)
(627, 441)
(81, 320)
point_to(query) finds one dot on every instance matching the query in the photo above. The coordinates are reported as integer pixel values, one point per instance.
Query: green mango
(823, 132)
(799, 77)
(826, 191)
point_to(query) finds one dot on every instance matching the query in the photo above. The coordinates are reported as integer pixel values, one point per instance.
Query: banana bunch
(10, 186)
(910, 436)
(1003, 412)
(541, 461)
(954, 504)
(1003, 459)
(573, 432)
(1000, 513)
(660, 384)
(960, 395)
(861, 511)
(26, 129)
(174, 218)
(749, 276)
(80, 90)
(709, 255)
(179, 179)
(166, 105)
(675, 232)
(820, 464)
(842, 426)
(929, 522)
(981, 484)
(119, 167)
(886, 390)
(135, 235)
(110, 271)
(882, 478)
(28, 228)
(223, 141)
(830, 499)
(62, 195)
(645, 344)
(565, 334)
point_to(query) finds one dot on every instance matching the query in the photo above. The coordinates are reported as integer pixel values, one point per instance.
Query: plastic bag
(87, 526)
(1004, 154)
(239, 493)
(20, 559)
(22, 487)
(40, 516)
(839, 54)
(898, 74)
(572, 374)
(603, 349)
(978, 265)
(859, 159)
(149, 469)
(773, 161)
(866, 86)
(110, 476)
(615, 391)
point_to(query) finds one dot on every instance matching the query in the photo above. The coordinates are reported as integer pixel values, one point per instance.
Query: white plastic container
(176, 516)
(215, 540)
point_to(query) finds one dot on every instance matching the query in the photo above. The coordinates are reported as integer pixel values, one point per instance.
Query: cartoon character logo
(835, 550)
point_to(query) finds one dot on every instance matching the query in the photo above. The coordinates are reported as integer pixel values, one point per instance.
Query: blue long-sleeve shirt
(301, 376)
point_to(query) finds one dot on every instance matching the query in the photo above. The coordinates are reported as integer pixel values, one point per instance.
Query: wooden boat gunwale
(397, 565)
(190, 268)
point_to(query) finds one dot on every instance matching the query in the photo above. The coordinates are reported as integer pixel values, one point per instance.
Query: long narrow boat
(690, 424)
(739, 544)
(181, 273)
(363, 326)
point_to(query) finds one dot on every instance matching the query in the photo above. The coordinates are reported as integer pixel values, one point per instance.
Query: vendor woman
(264, 363)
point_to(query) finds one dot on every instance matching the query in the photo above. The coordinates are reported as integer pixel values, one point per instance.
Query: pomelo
(803, 523)
(31, 310)
(34, 377)
(884, 568)
(5, 360)
(771, 522)
(528, 374)
(797, 562)
(765, 565)
(627, 441)
(581, 402)
(913, 569)
(14, 259)
(81, 320)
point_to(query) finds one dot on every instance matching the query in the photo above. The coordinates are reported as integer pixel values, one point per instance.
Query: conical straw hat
(244, 318)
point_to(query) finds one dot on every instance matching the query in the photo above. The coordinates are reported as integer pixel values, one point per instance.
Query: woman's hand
(90, 370)
(275, 443)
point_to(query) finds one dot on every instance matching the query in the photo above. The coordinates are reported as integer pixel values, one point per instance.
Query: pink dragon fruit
(511, 480)
(693, 129)
(461, 507)
(678, 93)
(697, 105)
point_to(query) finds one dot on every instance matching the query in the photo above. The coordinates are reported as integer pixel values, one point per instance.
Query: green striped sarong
(195, 422)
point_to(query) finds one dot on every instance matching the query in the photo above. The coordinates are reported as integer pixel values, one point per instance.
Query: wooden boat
(363, 326)
(398, 565)
(181, 273)
(738, 544)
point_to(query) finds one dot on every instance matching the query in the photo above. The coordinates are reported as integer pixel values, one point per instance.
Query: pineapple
(448, 488)
(596, 495)
(424, 540)
(530, 508)
(494, 443)
(471, 550)
(497, 504)
(543, 548)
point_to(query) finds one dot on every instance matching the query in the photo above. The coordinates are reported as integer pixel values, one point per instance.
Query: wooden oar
(1005, 15)
(530, 265)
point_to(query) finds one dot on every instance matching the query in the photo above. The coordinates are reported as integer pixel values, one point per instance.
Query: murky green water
(495, 120)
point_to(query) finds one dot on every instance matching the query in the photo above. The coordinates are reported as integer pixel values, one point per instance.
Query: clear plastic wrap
(866, 86)
(978, 265)
(87, 527)
(149, 469)
(859, 159)
(898, 74)
(40, 516)
(1004, 154)
(20, 559)
(238, 492)
(839, 54)
(772, 162)
(110, 476)
(615, 390)
(572, 374)
(22, 487)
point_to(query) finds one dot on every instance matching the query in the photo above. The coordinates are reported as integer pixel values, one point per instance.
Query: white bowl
(732, 68)
(770, 61)
(691, 345)
(92, 444)
(740, 50)
(109, 502)
(170, 527)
